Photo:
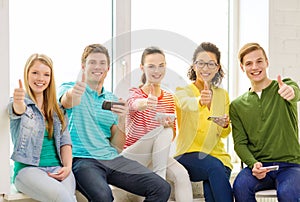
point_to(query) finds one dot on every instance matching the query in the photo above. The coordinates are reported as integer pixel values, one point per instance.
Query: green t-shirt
(48, 157)
(265, 128)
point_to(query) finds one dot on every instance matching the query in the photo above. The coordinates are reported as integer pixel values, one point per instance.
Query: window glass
(180, 27)
(59, 29)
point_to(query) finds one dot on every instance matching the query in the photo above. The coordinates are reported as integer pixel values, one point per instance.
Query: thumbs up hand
(285, 91)
(19, 94)
(73, 96)
(19, 97)
(79, 88)
(205, 95)
(152, 99)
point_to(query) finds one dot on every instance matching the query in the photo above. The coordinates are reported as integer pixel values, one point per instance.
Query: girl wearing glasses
(202, 114)
(151, 125)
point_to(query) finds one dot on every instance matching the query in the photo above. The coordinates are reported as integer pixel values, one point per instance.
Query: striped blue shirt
(90, 125)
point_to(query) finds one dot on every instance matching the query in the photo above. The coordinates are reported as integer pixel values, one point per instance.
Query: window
(59, 29)
(180, 28)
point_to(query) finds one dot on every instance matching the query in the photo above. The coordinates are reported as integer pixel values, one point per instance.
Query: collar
(266, 88)
(91, 91)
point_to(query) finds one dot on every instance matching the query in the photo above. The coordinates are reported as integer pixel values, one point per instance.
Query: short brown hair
(94, 48)
(248, 48)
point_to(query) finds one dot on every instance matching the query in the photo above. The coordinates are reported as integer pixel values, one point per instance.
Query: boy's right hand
(285, 91)
(257, 172)
(78, 88)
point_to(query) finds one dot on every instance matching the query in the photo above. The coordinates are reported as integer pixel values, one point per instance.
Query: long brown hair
(50, 104)
(149, 51)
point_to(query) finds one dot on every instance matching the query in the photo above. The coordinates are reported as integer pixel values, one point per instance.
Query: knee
(165, 190)
(96, 192)
(288, 193)
(181, 176)
(161, 190)
(218, 171)
(62, 195)
(101, 196)
(244, 180)
(217, 166)
(239, 185)
(168, 134)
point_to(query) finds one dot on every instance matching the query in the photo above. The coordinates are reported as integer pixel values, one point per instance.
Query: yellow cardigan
(195, 132)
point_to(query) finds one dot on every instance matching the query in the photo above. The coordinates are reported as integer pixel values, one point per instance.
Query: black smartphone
(108, 104)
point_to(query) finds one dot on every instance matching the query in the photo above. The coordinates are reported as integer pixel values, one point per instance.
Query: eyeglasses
(201, 64)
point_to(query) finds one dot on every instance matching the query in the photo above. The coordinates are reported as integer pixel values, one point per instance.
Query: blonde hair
(50, 104)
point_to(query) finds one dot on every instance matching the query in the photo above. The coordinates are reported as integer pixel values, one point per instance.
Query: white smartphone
(160, 115)
(271, 168)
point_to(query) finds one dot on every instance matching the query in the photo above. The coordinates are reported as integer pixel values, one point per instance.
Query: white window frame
(4, 95)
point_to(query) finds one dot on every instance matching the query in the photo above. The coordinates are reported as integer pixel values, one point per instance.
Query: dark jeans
(210, 170)
(94, 176)
(286, 180)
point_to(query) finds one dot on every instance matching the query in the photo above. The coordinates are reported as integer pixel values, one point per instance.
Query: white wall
(284, 40)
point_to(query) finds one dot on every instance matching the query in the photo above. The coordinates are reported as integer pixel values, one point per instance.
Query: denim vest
(27, 133)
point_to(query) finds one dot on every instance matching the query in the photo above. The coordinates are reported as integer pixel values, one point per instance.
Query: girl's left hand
(222, 121)
(61, 174)
(166, 122)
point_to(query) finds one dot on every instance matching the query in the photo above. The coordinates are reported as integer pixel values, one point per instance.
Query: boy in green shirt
(265, 131)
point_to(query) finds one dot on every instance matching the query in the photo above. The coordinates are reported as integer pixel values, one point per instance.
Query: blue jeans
(286, 180)
(94, 176)
(210, 170)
